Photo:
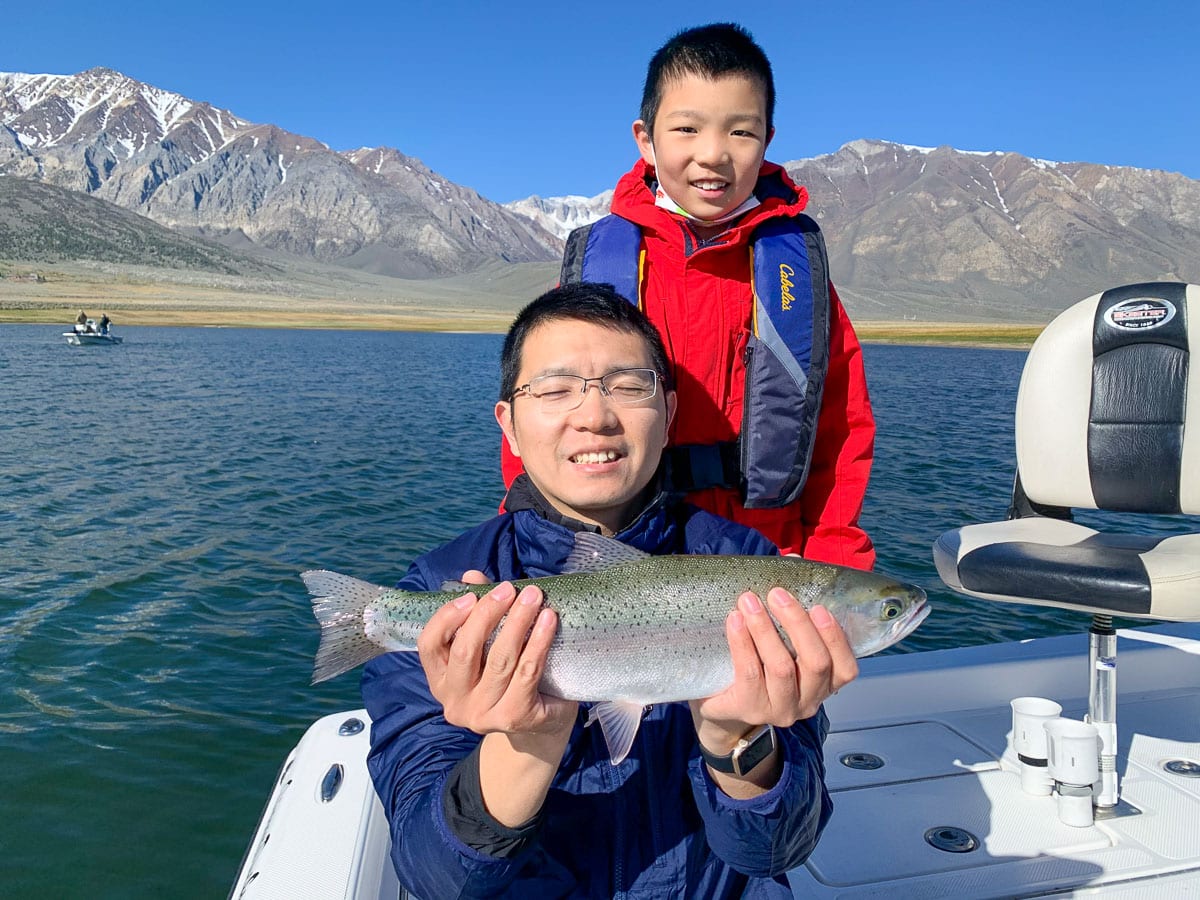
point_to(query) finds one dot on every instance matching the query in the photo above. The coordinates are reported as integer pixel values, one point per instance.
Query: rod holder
(1074, 764)
(1030, 714)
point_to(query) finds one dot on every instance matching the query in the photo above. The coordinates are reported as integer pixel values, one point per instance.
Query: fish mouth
(919, 614)
(594, 457)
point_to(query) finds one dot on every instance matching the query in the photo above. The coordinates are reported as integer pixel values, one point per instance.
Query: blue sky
(519, 98)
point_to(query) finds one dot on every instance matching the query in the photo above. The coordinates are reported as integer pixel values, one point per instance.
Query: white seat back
(1105, 399)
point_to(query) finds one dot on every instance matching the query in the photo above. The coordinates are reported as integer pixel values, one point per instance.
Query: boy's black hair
(599, 304)
(710, 51)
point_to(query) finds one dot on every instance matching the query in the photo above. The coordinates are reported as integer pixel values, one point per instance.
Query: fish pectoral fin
(619, 720)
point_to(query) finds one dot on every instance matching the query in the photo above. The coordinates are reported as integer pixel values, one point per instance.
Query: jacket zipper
(744, 434)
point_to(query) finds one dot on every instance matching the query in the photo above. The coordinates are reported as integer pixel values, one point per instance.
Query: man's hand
(494, 689)
(769, 686)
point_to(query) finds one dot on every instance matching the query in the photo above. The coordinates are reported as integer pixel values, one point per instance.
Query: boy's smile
(592, 462)
(708, 142)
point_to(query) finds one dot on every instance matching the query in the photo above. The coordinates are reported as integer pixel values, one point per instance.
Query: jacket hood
(545, 537)
(778, 195)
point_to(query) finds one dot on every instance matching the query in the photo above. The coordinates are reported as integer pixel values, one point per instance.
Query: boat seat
(1102, 411)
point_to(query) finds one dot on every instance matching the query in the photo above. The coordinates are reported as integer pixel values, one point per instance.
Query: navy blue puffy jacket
(655, 826)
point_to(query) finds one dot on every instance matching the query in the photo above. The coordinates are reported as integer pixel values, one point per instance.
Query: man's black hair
(710, 51)
(599, 304)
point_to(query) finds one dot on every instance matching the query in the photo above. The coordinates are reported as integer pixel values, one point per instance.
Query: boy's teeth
(710, 185)
(594, 458)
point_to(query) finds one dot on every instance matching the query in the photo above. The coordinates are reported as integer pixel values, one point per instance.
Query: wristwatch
(749, 752)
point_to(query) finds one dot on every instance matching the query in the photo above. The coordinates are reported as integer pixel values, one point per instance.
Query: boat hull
(76, 339)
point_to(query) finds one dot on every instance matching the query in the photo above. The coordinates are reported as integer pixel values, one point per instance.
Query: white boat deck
(939, 722)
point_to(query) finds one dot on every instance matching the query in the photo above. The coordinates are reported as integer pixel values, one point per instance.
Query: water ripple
(158, 501)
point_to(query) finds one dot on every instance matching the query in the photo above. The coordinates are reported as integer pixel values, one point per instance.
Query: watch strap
(749, 752)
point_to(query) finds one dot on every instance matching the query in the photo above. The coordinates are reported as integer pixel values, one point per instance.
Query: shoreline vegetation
(155, 303)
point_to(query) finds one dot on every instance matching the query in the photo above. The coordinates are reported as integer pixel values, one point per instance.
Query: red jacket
(699, 298)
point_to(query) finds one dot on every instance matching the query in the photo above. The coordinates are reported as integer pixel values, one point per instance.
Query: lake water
(158, 500)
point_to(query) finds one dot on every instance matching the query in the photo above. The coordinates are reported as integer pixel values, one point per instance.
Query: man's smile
(594, 457)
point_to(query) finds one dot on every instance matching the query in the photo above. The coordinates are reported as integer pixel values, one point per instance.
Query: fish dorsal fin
(595, 553)
(619, 720)
(456, 587)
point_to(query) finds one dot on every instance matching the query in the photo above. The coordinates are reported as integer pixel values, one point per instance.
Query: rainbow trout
(633, 629)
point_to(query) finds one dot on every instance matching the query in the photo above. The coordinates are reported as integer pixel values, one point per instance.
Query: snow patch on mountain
(562, 215)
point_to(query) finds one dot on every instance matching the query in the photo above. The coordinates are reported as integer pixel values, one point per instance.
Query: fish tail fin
(339, 603)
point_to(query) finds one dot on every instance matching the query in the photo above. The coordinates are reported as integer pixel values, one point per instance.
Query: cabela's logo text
(785, 285)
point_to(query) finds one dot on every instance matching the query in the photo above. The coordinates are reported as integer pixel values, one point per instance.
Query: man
(494, 789)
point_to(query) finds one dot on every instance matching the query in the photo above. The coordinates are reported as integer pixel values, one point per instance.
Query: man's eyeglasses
(563, 393)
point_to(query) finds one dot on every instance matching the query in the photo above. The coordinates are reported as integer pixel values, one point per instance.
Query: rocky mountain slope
(997, 233)
(44, 223)
(194, 167)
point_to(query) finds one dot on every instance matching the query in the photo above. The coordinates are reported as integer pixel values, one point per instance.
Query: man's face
(709, 140)
(591, 463)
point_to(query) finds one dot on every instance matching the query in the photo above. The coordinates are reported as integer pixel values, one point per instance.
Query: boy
(781, 442)
(535, 807)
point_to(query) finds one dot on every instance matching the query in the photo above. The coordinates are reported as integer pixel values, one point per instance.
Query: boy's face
(709, 140)
(591, 463)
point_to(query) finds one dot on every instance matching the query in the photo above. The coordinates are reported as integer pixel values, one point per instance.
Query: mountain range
(929, 233)
(994, 235)
(196, 168)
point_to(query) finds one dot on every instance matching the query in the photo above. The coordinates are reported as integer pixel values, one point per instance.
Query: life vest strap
(602, 256)
(696, 467)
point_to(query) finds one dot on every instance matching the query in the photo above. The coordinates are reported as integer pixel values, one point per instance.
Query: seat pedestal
(1102, 705)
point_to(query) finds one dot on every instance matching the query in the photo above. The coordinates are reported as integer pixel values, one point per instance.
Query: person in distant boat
(775, 428)
(81, 321)
(105, 321)
(494, 789)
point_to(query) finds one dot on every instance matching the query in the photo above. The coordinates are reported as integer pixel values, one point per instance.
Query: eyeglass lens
(566, 392)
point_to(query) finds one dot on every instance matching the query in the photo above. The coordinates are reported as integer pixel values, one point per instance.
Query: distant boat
(90, 333)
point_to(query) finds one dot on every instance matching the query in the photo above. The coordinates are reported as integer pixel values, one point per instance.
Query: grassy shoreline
(408, 320)
(161, 305)
(965, 334)
(949, 334)
(191, 306)
(1004, 335)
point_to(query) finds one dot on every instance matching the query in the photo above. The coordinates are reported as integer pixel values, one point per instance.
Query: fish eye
(891, 609)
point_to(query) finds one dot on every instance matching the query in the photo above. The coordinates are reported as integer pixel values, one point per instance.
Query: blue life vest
(787, 353)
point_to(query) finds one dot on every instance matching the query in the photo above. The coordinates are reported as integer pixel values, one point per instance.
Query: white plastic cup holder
(1074, 764)
(1030, 715)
